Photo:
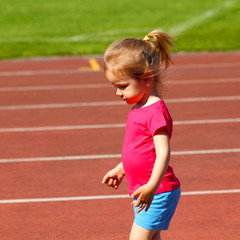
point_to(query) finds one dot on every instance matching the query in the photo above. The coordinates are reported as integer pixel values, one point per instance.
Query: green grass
(80, 27)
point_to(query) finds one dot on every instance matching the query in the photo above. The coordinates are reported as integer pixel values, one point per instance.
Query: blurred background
(79, 27)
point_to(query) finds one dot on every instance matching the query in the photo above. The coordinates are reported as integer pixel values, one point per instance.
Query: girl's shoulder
(152, 117)
(156, 110)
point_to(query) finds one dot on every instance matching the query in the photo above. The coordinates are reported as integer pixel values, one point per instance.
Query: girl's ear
(148, 78)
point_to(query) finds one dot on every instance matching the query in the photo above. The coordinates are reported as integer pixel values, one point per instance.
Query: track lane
(73, 178)
(205, 217)
(115, 114)
(96, 77)
(64, 116)
(57, 220)
(71, 63)
(57, 79)
(54, 63)
(108, 94)
(93, 141)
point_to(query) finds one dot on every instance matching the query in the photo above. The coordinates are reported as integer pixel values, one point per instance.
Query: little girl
(133, 67)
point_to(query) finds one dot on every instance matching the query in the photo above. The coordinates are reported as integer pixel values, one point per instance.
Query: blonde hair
(133, 57)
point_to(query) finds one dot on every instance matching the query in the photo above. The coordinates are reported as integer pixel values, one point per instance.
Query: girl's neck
(148, 100)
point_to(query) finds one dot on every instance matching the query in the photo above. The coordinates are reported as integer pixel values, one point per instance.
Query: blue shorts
(160, 213)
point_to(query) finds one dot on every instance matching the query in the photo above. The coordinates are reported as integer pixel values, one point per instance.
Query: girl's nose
(119, 92)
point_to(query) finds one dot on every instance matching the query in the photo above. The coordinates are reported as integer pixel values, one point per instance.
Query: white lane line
(44, 72)
(110, 156)
(62, 105)
(210, 192)
(105, 197)
(107, 85)
(203, 99)
(58, 72)
(207, 121)
(117, 125)
(203, 66)
(61, 199)
(204, 152)
(60, 128)
(61, 158)
(115, 103)
(56, 87)
(203, 81)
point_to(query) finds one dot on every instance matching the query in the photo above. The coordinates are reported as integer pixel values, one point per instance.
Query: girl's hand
(145, 196)
(114, 177)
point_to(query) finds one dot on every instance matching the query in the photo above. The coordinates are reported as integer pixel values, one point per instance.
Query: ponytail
(161, 42)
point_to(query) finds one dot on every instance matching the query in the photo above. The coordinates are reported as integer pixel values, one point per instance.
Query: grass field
(80, 27)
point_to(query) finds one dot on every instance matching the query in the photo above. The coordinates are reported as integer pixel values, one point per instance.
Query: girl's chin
(129, 102)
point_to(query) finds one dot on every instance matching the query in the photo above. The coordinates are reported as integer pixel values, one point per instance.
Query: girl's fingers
(136, 193)
(110, 182)
(141, 204)
(148, 206)
(115, 183)
(141, 208)
(138, 202)
(105, 178)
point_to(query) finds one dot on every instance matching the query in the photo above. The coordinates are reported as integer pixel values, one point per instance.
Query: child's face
(130, 90)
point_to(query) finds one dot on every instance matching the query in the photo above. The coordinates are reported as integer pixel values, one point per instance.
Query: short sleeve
(160, 118)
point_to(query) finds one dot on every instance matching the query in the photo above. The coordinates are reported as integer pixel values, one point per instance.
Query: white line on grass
(107, 85)
(114, 156)
(105, 36)
(116, 125)
(201, 18)
(115, 103)
(105, 197)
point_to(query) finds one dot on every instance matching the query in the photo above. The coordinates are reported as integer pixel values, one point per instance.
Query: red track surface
(212, 216)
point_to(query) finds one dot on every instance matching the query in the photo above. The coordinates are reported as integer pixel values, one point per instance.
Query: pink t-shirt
(138, 154)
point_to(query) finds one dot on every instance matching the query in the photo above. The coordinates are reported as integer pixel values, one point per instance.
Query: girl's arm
(114, 177)
(146, 192)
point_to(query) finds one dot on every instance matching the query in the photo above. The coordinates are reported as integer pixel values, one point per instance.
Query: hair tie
(146, 39)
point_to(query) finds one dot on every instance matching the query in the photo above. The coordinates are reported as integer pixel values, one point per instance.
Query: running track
(62, 128)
